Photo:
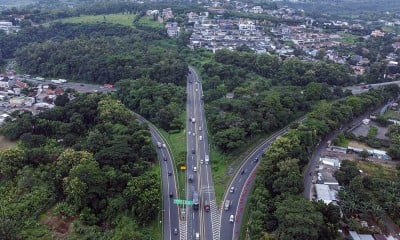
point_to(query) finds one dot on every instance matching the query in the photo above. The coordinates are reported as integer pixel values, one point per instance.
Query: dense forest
(97, 53)
(266, 92)
(107, 53)
(274, 205)
(160, 103)
(88, 163)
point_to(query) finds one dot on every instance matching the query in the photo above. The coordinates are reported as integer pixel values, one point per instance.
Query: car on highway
(197, 236)
(159, 145)
(175, 231)
(164, 146)
(165, 159)
(194, 169)
(206, 205)
(169, 173)
(231, 218)
(232, 190)
(190, 177)
(200, 128)
(201, 161)
(255, 159)
(193, 151)
(171, 194)
(201, 138)
(242, 172)
(194, 134)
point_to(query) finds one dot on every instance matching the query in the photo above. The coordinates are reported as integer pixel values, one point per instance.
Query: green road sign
(180, 201)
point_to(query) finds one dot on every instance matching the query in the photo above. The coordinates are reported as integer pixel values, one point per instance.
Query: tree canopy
(88, 160)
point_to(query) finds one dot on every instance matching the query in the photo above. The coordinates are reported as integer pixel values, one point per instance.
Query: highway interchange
(214, 223)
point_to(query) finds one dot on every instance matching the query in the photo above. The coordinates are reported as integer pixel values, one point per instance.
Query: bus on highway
(196, 200)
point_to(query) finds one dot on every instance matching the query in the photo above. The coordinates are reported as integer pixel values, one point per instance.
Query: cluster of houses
(304, 34)
(15, 96)
(214, 34)
(8, 27)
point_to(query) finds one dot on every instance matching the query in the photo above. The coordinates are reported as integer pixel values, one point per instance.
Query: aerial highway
(205, 220)
(240, 187)
(169, 211)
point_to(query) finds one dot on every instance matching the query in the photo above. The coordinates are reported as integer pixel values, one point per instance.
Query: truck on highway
(227, 205)
(207, 159)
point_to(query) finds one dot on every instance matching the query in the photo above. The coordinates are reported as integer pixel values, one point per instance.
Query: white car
(200, 128)
(194, 134)
(232, 190)
(194, 169)
(231, 218)
(201, 138)
(201, 161)
(164, 146)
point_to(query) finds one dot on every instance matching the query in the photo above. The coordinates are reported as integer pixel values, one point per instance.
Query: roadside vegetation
(75, 164)
(275, 203)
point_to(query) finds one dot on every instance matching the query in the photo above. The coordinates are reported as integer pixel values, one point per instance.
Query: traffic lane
(244, 195)
(170, 211)
(237, 202)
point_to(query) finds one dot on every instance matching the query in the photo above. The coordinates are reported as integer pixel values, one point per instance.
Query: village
(35, 94)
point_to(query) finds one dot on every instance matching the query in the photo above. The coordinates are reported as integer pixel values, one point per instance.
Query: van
(207, 158)
(227, 205)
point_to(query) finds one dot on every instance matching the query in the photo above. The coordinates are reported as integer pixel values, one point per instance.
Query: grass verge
(224, 166)
(245, 221)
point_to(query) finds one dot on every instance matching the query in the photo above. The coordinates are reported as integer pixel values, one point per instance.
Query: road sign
(180, 201)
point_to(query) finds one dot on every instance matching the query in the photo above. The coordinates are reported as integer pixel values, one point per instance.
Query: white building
(325, 193)
(334, 162)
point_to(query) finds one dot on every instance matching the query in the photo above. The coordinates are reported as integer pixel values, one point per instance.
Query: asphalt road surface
(169, 211)
(242, 183)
